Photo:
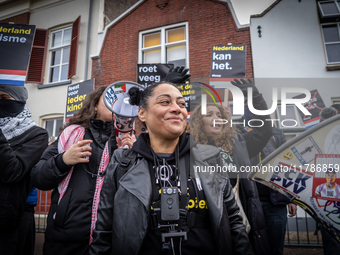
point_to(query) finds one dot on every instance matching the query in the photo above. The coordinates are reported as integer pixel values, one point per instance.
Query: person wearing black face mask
(21, 144)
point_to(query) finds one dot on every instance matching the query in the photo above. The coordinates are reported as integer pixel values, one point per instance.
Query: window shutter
(36, 66)
(74, 48)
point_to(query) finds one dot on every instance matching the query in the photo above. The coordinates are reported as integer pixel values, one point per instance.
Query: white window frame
(164, 45)
(52, 49)
(328, 43)
(54, 117)
(335, 100)
(300, 124)
(329, 15)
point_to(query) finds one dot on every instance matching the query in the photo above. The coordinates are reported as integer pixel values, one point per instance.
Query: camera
(169, 204)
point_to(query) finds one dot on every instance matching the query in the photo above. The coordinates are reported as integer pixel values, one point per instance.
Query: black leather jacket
(123, 212)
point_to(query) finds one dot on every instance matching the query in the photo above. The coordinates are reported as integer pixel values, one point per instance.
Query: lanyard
(181, 175)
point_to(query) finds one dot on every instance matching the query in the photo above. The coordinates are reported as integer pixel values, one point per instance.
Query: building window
(59, 54)
(53, 127)
(292, 120)
(331, 39)
(165, 45)
(329, 9)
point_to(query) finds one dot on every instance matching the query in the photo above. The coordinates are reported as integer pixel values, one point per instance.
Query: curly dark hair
(87, 112)
(224, 139)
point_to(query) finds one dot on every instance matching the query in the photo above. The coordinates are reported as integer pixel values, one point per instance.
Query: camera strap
(183, 182)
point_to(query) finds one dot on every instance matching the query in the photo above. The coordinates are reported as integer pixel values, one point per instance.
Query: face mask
(10, 108)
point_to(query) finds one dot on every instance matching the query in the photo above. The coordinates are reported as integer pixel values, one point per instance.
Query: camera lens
(169, 201)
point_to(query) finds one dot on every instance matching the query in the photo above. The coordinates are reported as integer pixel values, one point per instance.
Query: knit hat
(19, 93)
(327, 112)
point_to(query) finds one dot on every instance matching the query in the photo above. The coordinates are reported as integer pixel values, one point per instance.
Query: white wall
(291, 46)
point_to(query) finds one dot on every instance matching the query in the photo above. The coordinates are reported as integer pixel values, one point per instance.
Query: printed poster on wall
(314, 106)
(228, 62)
(307, 170)
(15, 51)
(151, 73)
(76, 95)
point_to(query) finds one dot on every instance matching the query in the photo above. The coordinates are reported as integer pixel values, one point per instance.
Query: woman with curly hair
(218, 135)
(237, 149)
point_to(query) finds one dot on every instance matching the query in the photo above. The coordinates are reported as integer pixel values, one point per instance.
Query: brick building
(168, 31)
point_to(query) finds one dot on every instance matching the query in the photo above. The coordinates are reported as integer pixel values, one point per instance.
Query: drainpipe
(88, 40)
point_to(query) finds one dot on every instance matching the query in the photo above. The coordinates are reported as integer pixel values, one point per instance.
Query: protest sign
(314, 106)
(76, 95)
(228, 62)
(151, 73)
(15, 51)
(306, 169)
(189, 93)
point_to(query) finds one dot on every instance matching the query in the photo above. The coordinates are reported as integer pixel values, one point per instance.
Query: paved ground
(39, 237)
(302, 251)
(39, 242)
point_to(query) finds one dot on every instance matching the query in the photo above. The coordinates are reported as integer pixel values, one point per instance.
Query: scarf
(68, 137)
(15, 126)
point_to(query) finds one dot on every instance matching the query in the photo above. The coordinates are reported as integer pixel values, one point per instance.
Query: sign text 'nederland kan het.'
(228, 61)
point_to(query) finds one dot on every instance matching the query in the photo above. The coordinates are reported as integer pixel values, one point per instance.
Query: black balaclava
(11, 108)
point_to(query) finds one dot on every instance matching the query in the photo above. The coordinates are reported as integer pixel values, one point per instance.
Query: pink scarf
(67, 138)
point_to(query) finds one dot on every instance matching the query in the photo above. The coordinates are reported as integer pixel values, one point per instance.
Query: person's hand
(292, 208)
(177, 75)
(244, 85)
(126, 139)
(78, 152)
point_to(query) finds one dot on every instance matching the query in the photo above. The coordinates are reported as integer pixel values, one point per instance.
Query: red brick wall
(19, 19)
(210, 23)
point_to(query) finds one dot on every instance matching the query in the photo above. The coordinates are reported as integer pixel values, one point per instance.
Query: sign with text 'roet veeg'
(15, 51)
(228, 61)
(151, 73)
(76, 95)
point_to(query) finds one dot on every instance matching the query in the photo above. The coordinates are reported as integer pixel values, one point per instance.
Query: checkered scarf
(15, 126)
(67, 138)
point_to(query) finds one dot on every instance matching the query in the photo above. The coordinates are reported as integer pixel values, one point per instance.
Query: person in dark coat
(21, 144)
(238, 147)
(73, 167)
(274, 204)
(130, 216)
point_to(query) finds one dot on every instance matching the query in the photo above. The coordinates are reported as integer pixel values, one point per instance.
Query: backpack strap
(127, 158)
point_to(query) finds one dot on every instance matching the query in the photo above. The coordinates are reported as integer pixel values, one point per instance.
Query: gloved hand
(244, 85)
(177, 75)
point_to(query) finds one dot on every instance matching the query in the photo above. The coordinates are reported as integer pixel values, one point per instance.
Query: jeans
(276, 219)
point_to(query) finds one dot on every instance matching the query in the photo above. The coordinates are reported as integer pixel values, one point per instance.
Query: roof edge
(238, 24)
(112, 23)
(266, 10)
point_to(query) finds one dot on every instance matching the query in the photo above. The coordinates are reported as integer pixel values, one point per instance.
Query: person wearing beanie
(337, 107)
(21, 144)
(327, 112)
